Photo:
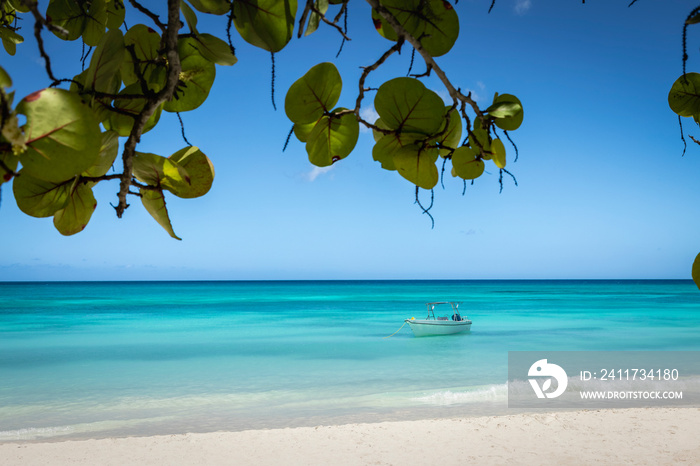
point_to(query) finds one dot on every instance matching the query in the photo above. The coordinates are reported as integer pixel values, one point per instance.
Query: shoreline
(608, 436)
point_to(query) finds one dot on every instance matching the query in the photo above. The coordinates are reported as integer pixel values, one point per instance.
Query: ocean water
(91, 360)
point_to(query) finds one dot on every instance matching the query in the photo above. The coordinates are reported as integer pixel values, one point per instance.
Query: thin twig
(154, 17)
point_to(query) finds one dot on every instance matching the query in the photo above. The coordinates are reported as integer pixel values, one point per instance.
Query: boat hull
(424, 328)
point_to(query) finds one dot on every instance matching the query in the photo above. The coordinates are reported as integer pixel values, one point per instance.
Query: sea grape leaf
(190, 16)
(199, 169)
(197, 74)
(684, 97)
(507, 111)
(452, 136)
(479, 139)
(10, 39)
(69, 15)
(154, 202)
(417, 165)
(267, 24)
(315, 18)
(302, 130)
(214, 49)
(5, 80)
(214, 7)
(74, 217)
(406, 104)
(115, 14)
(696, 271)
(389, 145)
(18, 5)
(695, 19)
(498, 153)
(63, 137)
(332, 139)
(107, 155)
(105, 62)
(145, 42)
(433, 22)
(160, 172)
(10, 160)
(466, 163)
(39, 198)
(95, 22)
(122, 122)
(313, 94)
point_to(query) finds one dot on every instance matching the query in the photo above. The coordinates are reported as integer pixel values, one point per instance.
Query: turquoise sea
(98, 359)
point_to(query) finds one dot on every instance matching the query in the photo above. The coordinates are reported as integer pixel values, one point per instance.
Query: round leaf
(158, 171)
(107, 155)
(507, 105)
(332, 139)
(145, 43)
(199, 169)
(105, 62)
(63, 137)
(313, 94)
(69, 15)
(215, 50)
(417, 165)
(406, 104)
(267, 24)
(197, 74)
(684, 97)
(466, 164)
(74, 217)
(215, 7)
(122, 122)
(39, 198)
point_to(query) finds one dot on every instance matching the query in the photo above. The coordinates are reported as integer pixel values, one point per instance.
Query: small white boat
(440, 325)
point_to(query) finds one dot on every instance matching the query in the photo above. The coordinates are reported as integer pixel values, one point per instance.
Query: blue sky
(603, 191)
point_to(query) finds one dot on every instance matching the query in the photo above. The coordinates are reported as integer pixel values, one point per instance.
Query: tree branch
(170, 39)
(429, 60)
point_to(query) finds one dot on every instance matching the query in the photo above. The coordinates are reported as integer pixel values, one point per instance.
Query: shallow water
(101, 359)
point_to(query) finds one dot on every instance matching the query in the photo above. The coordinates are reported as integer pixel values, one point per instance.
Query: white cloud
(316, 172)
(522, 6)
(370, 115)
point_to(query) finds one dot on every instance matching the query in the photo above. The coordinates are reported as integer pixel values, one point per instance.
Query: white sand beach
(623, 436)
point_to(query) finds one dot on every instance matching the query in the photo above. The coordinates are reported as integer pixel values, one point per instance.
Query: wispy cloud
(316, 172)
(522, 6)
(370, 115)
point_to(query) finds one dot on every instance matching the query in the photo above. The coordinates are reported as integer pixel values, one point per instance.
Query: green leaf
(115, 14)
(696, 271)
(5, 80)
(154, 202)
(10, 39)
(18, 5)
(332, 139)
(215, 50)
(105, 62)
(406, 104)
(10, 160)
(39, 198)
(190, 16)
(389, 145)
(314, 18)
(95, 22)
(122, 122)
(197, 74)
(267, 24)
(69, 15)
(107, 155)
(215, 7)
(74, 217)
(695, 19)
(507, 111)
(160, 172)
(313, 94)
(418, 165)
(684, 97)
(498, 153)
(466, 163)
(302, 130)
(63, 137)
(452, 136)
(479, 139)
(199, 169)
(433, 22)
(145, 42)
